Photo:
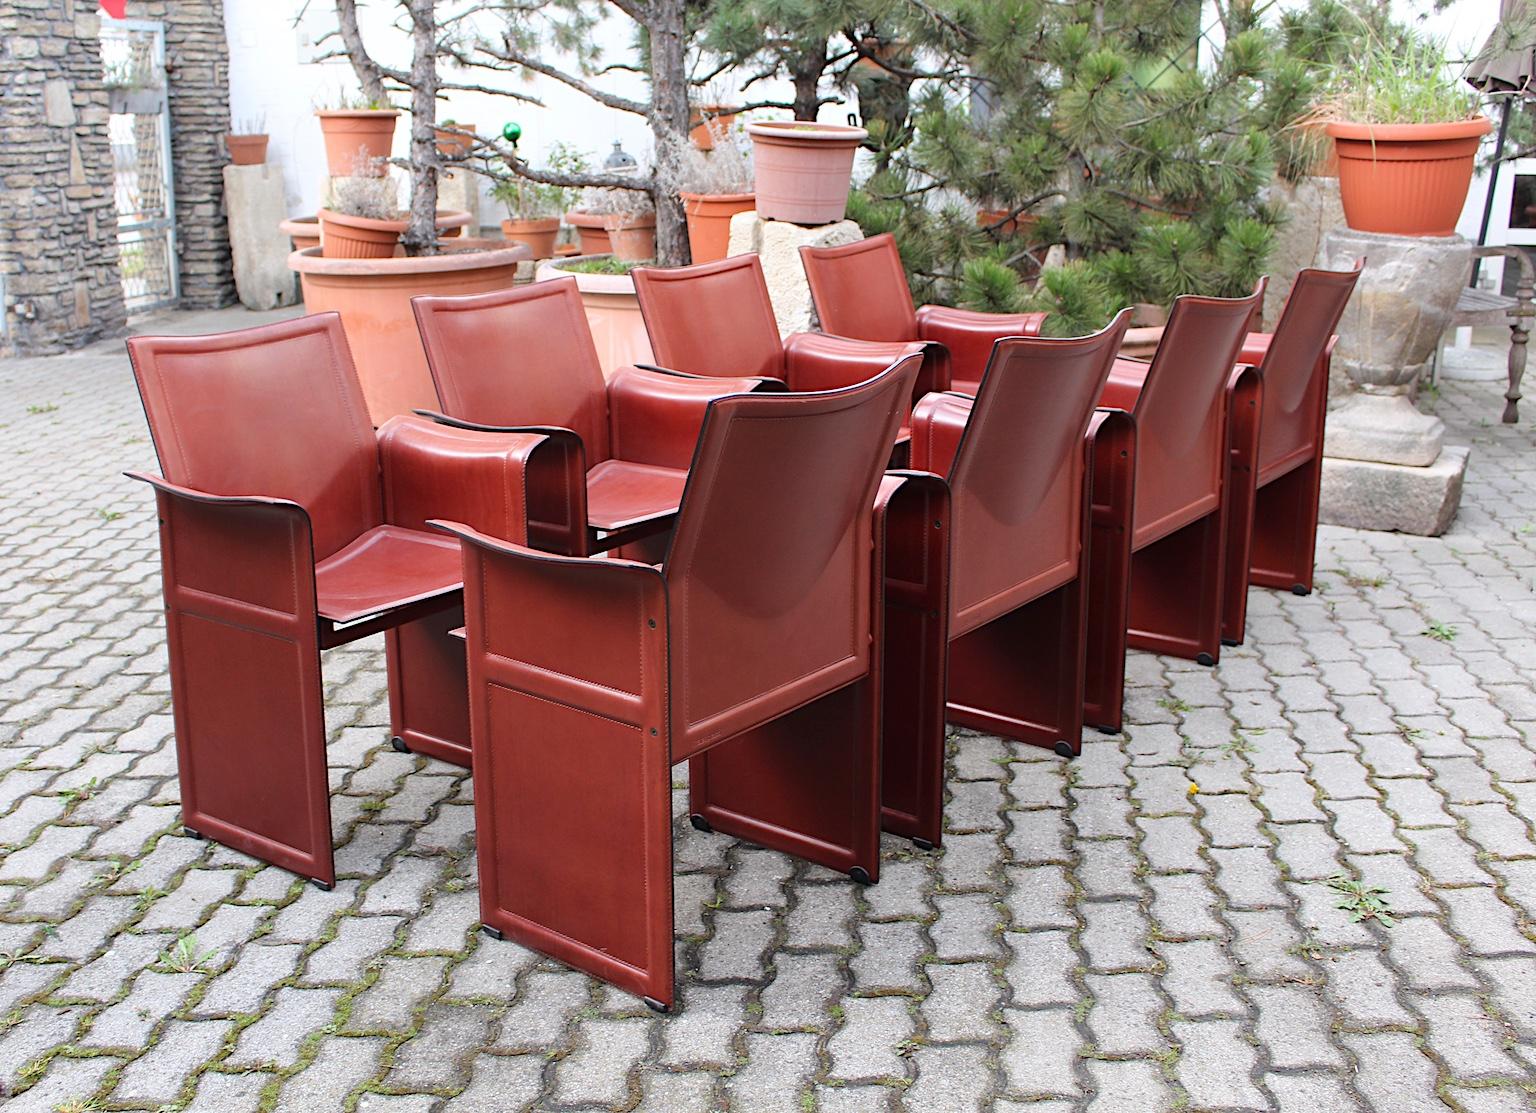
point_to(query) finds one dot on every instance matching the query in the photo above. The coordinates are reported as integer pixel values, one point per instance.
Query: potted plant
(533, 208)
(804, 169)
(454, 140)
(1407, 134)
(705, 122)
(715, 184)
(356, 124)
(133, 88)
(628, 217)
(246, 142)
(364, 221)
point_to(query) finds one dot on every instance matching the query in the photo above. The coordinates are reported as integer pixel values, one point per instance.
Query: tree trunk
(421, 236)
(669, 126)
(806, 73)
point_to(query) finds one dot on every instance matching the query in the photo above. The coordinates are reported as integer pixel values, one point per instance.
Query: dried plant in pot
(246, 141)
(629, 218)
(715, 184)
(363, 219)
(1407, 133)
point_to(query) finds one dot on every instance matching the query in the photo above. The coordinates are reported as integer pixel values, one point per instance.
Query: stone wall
(58, 241)
(197, 65)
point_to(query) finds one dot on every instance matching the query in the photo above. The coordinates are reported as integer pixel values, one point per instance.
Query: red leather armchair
(716, 318)
(287, 526)
(752, 651)
(1196, 413)
(619, 451)
(1279, 549)
(997, 579)
(860, 291)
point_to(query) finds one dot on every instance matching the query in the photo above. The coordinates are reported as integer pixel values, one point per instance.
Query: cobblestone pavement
(1095, 936)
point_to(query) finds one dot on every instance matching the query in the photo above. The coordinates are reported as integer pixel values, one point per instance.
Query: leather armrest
(255, 550)
(938, 423)
(968, 336)
(175, 490)
(1255, 348)
(431, 471)
(819, 361)
(1122, 391)
(655, 418)
(562, 627)
(765, 384)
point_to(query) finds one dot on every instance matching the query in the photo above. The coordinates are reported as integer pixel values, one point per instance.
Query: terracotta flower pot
(699, 119)
(302, 231)
(362, 237)
(455, 140)
(373, 297)
(803, 169)
(613, 313)
(1406, 179)
(709, 221)
(635, 240)
(368, 132)
(246, 150)
(359, 237)
(539, 234)
(591, 231)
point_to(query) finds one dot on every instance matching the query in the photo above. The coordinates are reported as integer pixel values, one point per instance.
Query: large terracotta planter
(246, 150)
(613, 313)
(374, 296)
(803, 169)
(1406, 179)
(709, 221)
(351, 133)
(538, 234)
(591, 233)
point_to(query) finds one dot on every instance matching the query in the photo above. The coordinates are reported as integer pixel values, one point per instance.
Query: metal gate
(139, 125)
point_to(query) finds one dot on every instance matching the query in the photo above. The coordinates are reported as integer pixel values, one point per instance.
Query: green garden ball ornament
(512, 132)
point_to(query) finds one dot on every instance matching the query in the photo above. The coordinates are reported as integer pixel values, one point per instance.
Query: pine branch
(510, 55)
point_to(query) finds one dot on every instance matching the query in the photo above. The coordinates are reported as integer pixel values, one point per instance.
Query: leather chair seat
(385, 568)
(622, 493)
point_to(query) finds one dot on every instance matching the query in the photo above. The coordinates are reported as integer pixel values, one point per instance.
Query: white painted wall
(271, 74)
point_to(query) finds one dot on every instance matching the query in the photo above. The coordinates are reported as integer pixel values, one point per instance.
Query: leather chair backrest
(769, 569)
(1311, 314)
(1180, 418)
(274, 410)
(1017, 478)
(712, 318)
(860, 289)
(517, 357)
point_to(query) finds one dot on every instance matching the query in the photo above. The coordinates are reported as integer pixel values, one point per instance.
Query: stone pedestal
(253, 198)
(779, 243)
(1384, 464)
(459, 191)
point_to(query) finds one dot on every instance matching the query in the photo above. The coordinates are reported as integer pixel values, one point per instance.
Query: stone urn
(1385, 464)
(1403, 303)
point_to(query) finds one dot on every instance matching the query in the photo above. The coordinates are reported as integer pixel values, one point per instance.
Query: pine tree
(1091, 125)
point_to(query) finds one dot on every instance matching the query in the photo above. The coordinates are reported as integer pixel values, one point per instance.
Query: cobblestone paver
(1097, 936)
